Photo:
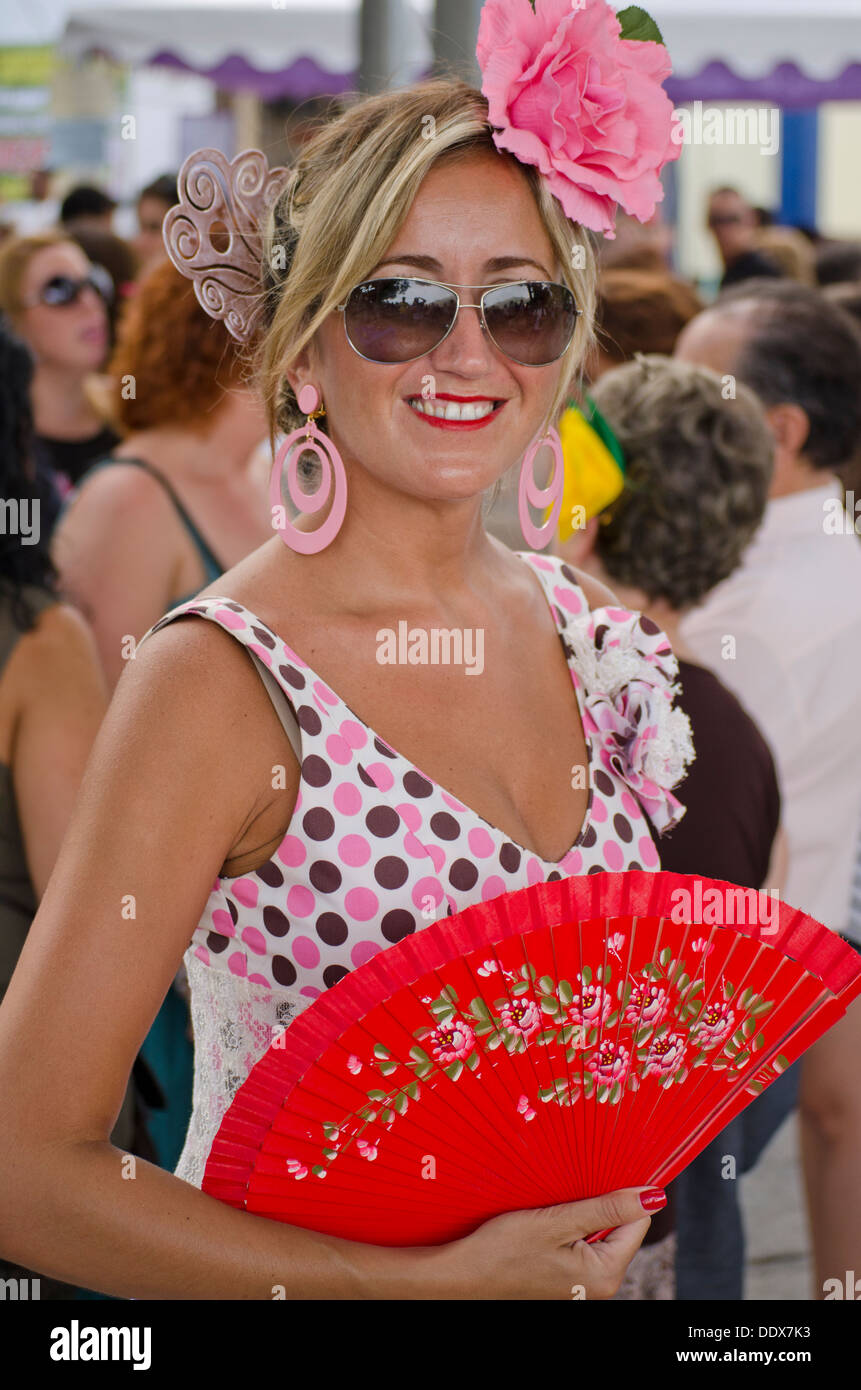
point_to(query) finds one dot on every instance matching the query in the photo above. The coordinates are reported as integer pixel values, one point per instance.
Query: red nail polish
(653, 1199)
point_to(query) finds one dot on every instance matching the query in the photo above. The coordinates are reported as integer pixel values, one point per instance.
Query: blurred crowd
(127, 416)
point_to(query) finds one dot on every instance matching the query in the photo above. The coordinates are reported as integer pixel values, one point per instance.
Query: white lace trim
(234, 1023)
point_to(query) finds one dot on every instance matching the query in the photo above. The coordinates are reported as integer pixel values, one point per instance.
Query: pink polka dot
(265, 656)
(361, 904)
(291, 852)
(347, 799)
(410, 815)
(353, 732)
(244, 891)
(354, 850)
(382, 776)
(338, 749)
(292, 657)
(630, 806)
(618, 615)
(229, 619)
(414, 847)
(648, 853)
(364, 950)
(491, 888)
(222, 922)
(298, 805)
(306, 952)
(260, 980)
(573, 862)
(480, 843)
(450, 801)
(300, 901)
(598, 811)
(237, 964)
(202, 954)
(311, 991)
(428, 888)
(325, 693)
(254, 941)
(540, 563)
(534, 872)
(566, 598)
(613, 855)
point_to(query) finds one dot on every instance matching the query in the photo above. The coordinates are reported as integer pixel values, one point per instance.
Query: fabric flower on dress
(567, 94)
(629, 677)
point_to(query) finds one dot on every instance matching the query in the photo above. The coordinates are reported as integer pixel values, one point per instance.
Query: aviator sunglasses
(62, 290)
(400, 319)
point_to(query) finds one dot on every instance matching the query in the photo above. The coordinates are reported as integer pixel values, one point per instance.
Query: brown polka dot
(316, 771)
(603, 782)
(318, 823)
(384, 748)
(590, 837)
(216, 942)
(234, 607)
(283, 971)
(324, 876)
(600, 633)
(264, 637)
(270, 874)
(567, 573)
(275, 921)
(463, 874)
(416, 785)
(634, 865)
(391, 872)
(596, 869)
(552, 877)
(622, 827)
(367, 778)
(309, 720)
(293, 677)
(382, 821)
(444, 826)
(649, 626)
(233, 910)
(509, 858)
(332, 929)
(332, 974)
(397, 924)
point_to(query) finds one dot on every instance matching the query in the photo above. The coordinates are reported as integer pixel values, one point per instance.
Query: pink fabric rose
(584, 106)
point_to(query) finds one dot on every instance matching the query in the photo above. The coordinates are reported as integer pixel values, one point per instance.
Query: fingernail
(653, 1199)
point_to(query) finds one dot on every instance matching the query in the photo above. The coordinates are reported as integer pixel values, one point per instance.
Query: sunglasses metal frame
(441, 284)
(97, 279)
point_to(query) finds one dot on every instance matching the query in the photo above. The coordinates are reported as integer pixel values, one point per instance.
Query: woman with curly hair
(182, 498)
(698, 469)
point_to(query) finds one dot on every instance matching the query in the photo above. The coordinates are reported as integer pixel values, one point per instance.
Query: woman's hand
(543, 1253)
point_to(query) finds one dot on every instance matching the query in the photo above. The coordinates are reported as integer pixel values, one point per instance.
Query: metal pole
(455, 33)
(386, 45)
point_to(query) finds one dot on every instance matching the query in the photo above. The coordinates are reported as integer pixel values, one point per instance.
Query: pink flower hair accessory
(575, 90)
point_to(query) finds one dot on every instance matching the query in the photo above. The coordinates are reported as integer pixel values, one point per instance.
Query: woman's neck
(61, 409)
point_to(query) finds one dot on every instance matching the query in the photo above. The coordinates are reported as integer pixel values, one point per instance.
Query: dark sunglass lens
(532, 323)
(397, 320)
(61, 289)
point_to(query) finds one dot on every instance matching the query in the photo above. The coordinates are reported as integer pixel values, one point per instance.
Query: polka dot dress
(376, 849)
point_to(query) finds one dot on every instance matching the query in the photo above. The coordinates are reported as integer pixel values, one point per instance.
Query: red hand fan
(553, 1044)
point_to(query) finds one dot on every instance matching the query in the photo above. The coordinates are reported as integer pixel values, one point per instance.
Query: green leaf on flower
(418, 1054)
(401, 1104)
(615, 1093)
(318, 1170)
(387, 1068)
(665, 957)
(566, 993)
(759, 1041)
(331, 1154)
(473, 1061)
(388, 1116)
(412, 1090)
(380, 1051)
(450, 993)
(454, 1070)
(376, 1095)
(522, 988)
(478, 1008)
(728, 989)
(424, 1069)
(545, 984)
(636, 24)
(549, 1005)
(549, 1035)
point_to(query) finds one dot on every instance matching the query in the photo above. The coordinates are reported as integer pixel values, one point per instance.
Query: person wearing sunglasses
(734, 224)
(428, 301)
(58, 302)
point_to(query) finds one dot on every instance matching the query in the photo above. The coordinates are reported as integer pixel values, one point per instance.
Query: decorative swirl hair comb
(213, 235)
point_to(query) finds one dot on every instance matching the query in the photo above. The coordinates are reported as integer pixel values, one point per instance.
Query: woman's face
(70, 336)
(473, 222)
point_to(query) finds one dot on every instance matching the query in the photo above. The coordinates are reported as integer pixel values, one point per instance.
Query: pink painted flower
(521, 1016)
(584, 106)
(296, 1169)
(647, 1005)
(525, 1109)
(713, 1025)
(591, 1006)
(489, 967)
(452, 1041)
(666, 1055)
(702, 945)
(367, 1149)
(610, 1063)
(615, 944)
(353, 1064)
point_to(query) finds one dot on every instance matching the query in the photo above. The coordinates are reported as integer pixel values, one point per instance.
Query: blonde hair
(348, 196)
(16, 254)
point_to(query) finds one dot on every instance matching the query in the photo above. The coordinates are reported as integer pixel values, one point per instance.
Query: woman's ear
(579, 550)
(301, 371)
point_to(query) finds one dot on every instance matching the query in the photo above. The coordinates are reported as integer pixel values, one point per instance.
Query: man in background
(735, 224)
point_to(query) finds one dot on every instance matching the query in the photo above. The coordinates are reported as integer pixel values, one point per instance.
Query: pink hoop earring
(541, 497)
(308, 439)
